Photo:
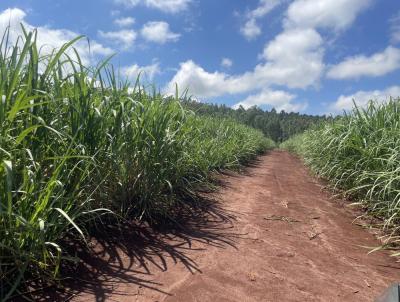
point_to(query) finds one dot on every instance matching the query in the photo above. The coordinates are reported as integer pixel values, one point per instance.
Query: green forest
(279, 126)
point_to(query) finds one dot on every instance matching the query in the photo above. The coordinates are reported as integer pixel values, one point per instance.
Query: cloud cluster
(158, 32)
(124, 21)
(280, 100)
(49, 38)
(152, 31)
(204, 84)
(375, 65)
(168, 6)
(345, 102)
(124, 39)
(332, 14)
(293, 59)
(147, 72)
(282, 66)
(251, 29)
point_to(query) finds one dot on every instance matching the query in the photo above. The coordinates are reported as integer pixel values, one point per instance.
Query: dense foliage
(77, 143)
(360, 154)
(278, 126)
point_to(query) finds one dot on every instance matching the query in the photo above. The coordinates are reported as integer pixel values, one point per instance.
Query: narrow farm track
(275, 237)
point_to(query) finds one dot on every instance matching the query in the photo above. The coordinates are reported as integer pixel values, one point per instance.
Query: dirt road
(272, 236)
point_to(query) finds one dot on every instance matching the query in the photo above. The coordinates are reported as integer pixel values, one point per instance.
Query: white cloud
(395, 28)
(295, 56)
(283, 66)
(376, 65)
(336, 14)
(203, 84)
(12, 17)
(263, 8)
(288, 44)
(345, 102)
(251, 29)
(124, 38)
(226, 63)
(127, 3)
(48, 38)
(280, 100)
(168, 6)
(294, 59)
(171, 6)
(158, 32)
(124, 21)
(147, 72)
(294, 70)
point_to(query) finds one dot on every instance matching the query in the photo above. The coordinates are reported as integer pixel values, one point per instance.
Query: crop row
(78, 144)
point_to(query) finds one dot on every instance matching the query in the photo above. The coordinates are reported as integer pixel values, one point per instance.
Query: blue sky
(312, 56)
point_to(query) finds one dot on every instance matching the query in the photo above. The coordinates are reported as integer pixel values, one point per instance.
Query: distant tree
(278, 126)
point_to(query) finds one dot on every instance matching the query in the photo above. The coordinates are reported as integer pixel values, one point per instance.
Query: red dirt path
(274, 236)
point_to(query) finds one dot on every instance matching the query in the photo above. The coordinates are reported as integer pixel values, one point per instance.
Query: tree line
(278, 126)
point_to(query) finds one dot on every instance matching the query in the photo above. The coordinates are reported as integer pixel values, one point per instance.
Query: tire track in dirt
(285, 240)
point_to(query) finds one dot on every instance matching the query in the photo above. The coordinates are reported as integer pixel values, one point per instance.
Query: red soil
(272, 235)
